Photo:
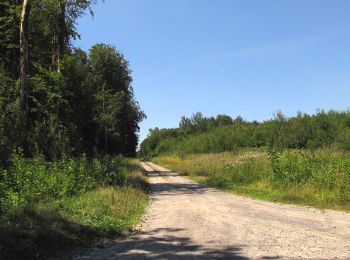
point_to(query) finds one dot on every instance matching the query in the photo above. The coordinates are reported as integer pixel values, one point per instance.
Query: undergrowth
(49, 208)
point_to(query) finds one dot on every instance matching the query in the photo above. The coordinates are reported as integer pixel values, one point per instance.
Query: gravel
(187, 220)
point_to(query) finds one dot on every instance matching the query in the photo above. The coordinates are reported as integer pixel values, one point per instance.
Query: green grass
(58, 225)
(49, 229)
(312, 178)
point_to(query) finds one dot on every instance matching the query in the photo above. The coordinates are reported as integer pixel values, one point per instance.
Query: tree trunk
(105, 127)
(106, 141)
(61, 43)
(23, 77)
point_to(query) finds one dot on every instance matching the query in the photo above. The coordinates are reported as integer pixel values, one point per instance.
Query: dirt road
(186, 220)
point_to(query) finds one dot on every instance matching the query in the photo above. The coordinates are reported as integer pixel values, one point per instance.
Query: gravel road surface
(188, 221)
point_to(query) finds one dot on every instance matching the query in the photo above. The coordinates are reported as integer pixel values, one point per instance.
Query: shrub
(250, 171)
(29, 181)
(325, 170)
(291, 168)
(208, 135)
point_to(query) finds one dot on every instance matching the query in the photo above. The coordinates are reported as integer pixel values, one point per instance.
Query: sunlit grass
(320, 178)
(108, 209)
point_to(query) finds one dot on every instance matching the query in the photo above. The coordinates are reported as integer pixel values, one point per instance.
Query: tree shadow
(165, 243)
(162, 243)
(168, 189)
(160, 173)
(165, 188)
(30, 234)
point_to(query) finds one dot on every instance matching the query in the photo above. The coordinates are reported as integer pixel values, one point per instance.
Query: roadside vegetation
(68, 120)
(303, 159)
(47, 209)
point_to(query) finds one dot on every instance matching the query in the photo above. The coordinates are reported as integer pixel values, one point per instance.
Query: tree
(10, 11)
(116, 112)
(67, 102)
(9, 134)
(58, 19)
(76, 89)
(24, 30)
(223, 120)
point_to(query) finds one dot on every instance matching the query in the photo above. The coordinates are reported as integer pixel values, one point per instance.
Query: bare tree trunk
(23, 77)
(61, 34)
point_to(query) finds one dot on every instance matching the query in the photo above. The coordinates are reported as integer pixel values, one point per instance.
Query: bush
(10, 136)
(29, 181)
(250, 171)
(208, 135)
(247, 172)
(291, 168)
(325, 170)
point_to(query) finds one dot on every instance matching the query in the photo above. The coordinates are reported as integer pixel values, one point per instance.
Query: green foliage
(318, 178)
(322, 169)
(250, 171)
(116, 113)
(247, 172)
(10, 134)
(9, 35)
(206, 135)
(117, 208)
(78, 102)
(343, 138)
(29, 181)
(49, 229)
(82, 116)
(71, 113)
(47, 207)
(291, 168)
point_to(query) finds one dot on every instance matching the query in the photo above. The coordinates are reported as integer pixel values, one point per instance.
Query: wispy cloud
(265, 50)
(274, 48)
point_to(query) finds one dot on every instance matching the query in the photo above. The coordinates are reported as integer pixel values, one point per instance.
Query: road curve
(187, 220)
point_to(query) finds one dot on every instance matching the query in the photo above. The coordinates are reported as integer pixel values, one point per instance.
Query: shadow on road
(160, 245)
(168, 242)
(178, 188)
(158, 173)
(167, 188)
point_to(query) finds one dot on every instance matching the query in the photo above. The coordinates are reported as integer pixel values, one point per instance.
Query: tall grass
(318, 178)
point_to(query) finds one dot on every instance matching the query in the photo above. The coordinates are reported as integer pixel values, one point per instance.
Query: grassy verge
(51, 228)
(313, 178)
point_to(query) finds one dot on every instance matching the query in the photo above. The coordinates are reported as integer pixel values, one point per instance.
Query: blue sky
(236, 57)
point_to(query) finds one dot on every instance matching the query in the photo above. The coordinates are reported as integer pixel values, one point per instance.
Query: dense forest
(200, 134)
(57, 99)
(67, 120)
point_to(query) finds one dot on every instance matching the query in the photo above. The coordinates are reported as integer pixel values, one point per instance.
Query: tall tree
(67, 102)
(60, 17)
(116, 112)
(61, 43)
(10, 11)
(23, 77)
